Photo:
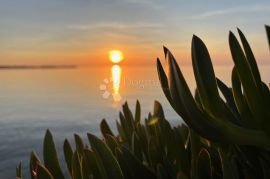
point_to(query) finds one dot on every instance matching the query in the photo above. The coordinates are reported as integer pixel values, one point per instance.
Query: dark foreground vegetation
(226, 135)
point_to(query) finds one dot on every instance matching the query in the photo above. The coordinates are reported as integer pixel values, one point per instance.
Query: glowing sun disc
(116, 56)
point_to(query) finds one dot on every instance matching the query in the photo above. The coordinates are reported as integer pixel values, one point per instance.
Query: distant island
(6, 67)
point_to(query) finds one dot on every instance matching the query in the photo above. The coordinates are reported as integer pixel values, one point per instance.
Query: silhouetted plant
(227, 137)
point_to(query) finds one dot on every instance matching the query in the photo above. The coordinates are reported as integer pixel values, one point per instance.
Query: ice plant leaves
(50, 157)
(205, 77)
(227, 135)
(253, 93)
(267, 28)
(110, 163)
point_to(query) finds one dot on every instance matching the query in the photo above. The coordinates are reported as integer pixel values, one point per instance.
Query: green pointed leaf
(164, 82)
(227, 93)
(94, 164)
(50, 156)
(154, 151)
(181, 150)
(43, 173)
(68, 153)
(105, 128)
(34, 161)
(267, 28)
(241, 103)
(158, 110)
(196, 146)
(110, 163)
(19, 171)
(229, 167)
(79, 144)
(204, 165)
(121, 132)
(76, 166)
(137, 113)
(126, 170)
(253, 95)
(251, 59)
(188, 108)
(201, 122)
(126, 126)
(136, 146)
(134, 166)
(128, 115)
(205, 77)
(111, 142)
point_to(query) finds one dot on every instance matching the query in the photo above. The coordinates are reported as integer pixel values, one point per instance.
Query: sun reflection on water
(116, 79)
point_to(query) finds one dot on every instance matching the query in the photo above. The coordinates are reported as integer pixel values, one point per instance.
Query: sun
(116, 56)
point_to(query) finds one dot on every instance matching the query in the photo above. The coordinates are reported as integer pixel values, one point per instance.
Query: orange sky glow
(32, 36)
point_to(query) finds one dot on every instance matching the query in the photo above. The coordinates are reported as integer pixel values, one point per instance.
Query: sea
(75, 100)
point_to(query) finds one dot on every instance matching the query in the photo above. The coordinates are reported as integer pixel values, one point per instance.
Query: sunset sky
(84, 31)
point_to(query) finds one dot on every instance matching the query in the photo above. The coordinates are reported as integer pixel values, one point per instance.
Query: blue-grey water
(71, 101)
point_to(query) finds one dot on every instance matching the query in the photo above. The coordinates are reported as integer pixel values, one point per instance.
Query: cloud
(150, 3)
(221, 12)
(115, 25)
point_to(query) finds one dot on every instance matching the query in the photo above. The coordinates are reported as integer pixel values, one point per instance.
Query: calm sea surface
(71, 101)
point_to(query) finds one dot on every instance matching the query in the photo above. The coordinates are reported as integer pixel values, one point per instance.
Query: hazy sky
(83, 31)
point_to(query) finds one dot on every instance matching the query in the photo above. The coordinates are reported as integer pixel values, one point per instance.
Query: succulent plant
(241, 118)
(138, 151)
(224, 136)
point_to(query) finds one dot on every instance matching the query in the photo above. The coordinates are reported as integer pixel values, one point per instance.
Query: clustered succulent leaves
(226, 134)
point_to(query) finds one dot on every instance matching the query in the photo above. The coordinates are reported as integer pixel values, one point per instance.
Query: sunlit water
(71, 101)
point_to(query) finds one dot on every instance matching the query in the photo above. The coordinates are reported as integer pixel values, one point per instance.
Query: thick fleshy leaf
(164, 82)
(19, 171)
(122, 135)
(79, 144)
(227, 93)
(112, 142)
(110, 163)
(181, 152)
(128, 114)
(267, 28)
(154, 151)
(76, 166)
(196, 146)
(201, 122)
(137, 113)
(94, 164)
(34, 161)
(43, 173)
(229, 108)
(105, 128)
(136, 146)
(229, 166)
(188, 108)
(253, 95)
(204, 165)
(126, 170)
(134, 166)
(241, 103)
(158, 110)
(205, 77)
(50, 157)
(68, 153)
(251, 59)
(176, 101)
(126, 127)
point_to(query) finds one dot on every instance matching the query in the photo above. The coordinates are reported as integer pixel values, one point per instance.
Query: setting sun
(116, 56)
